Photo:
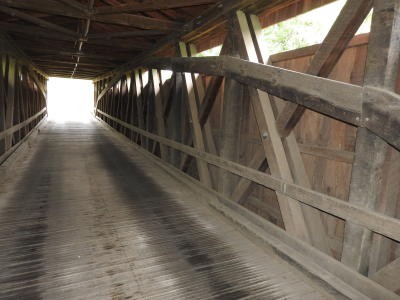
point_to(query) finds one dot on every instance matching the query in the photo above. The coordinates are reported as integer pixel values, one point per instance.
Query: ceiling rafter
(44, 6)
(149, 5)
(123, 34)
(77, 6)
(35, 20)
(137, 21)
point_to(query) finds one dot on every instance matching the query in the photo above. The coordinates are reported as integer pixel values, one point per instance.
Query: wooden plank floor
(85, 216)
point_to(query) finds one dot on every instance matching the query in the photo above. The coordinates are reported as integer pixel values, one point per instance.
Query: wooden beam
(149, 5)
(232, 108)
(284, 163)
(257, 162)
(3, 98)
(10, 100)
(389, 276)
(322, 95)
(125, 34)
(11, 130)
(49, 62)
(198, 140)
(207, 104)
(319, 94)
(205, 126)
(35, 20)
(159, 102)
(325, 59)
(77, 5)
(138, 21)
(32, 32)
(204, 111)
(139, 103)
(366, 178)
(120, 44)
(43, 49)
(292, 214)
(45, 6)
(327, 153)
(381, 247)
(381, 111)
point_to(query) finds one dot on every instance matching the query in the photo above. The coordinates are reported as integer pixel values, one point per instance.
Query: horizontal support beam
(44, 50)
(336, 99)
(339, 100)
(137, 21)
(49, 61)
(125, 34)
(379, 223)
(149, 5)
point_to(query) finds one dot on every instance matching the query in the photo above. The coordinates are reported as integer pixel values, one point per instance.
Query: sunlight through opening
(70, 100)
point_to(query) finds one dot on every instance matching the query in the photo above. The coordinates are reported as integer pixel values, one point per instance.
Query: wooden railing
(10, 131)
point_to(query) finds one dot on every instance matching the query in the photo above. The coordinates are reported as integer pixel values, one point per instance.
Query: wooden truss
(278, 99)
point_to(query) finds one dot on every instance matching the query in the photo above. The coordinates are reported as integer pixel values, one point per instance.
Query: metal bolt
(265, 135)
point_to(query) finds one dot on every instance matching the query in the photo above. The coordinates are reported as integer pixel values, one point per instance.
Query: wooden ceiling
(86, 38)
(95, 39)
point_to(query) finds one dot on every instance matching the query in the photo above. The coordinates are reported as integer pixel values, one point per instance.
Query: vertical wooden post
(17, 103)
(175, 121)
(368, 168)
(208, 136)
(207, 131)
(3, 97)
(139, 104)
(231, 116)
(95, 92)
(198, 140)
(10, 100)
(158, 98)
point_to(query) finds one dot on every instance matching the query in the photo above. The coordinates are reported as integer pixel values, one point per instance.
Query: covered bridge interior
(238, 176)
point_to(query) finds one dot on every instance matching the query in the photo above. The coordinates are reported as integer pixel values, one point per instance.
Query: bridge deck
(85, 216)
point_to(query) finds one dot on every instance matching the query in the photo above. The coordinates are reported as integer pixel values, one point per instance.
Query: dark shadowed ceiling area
(94, 39)
(85, 38)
